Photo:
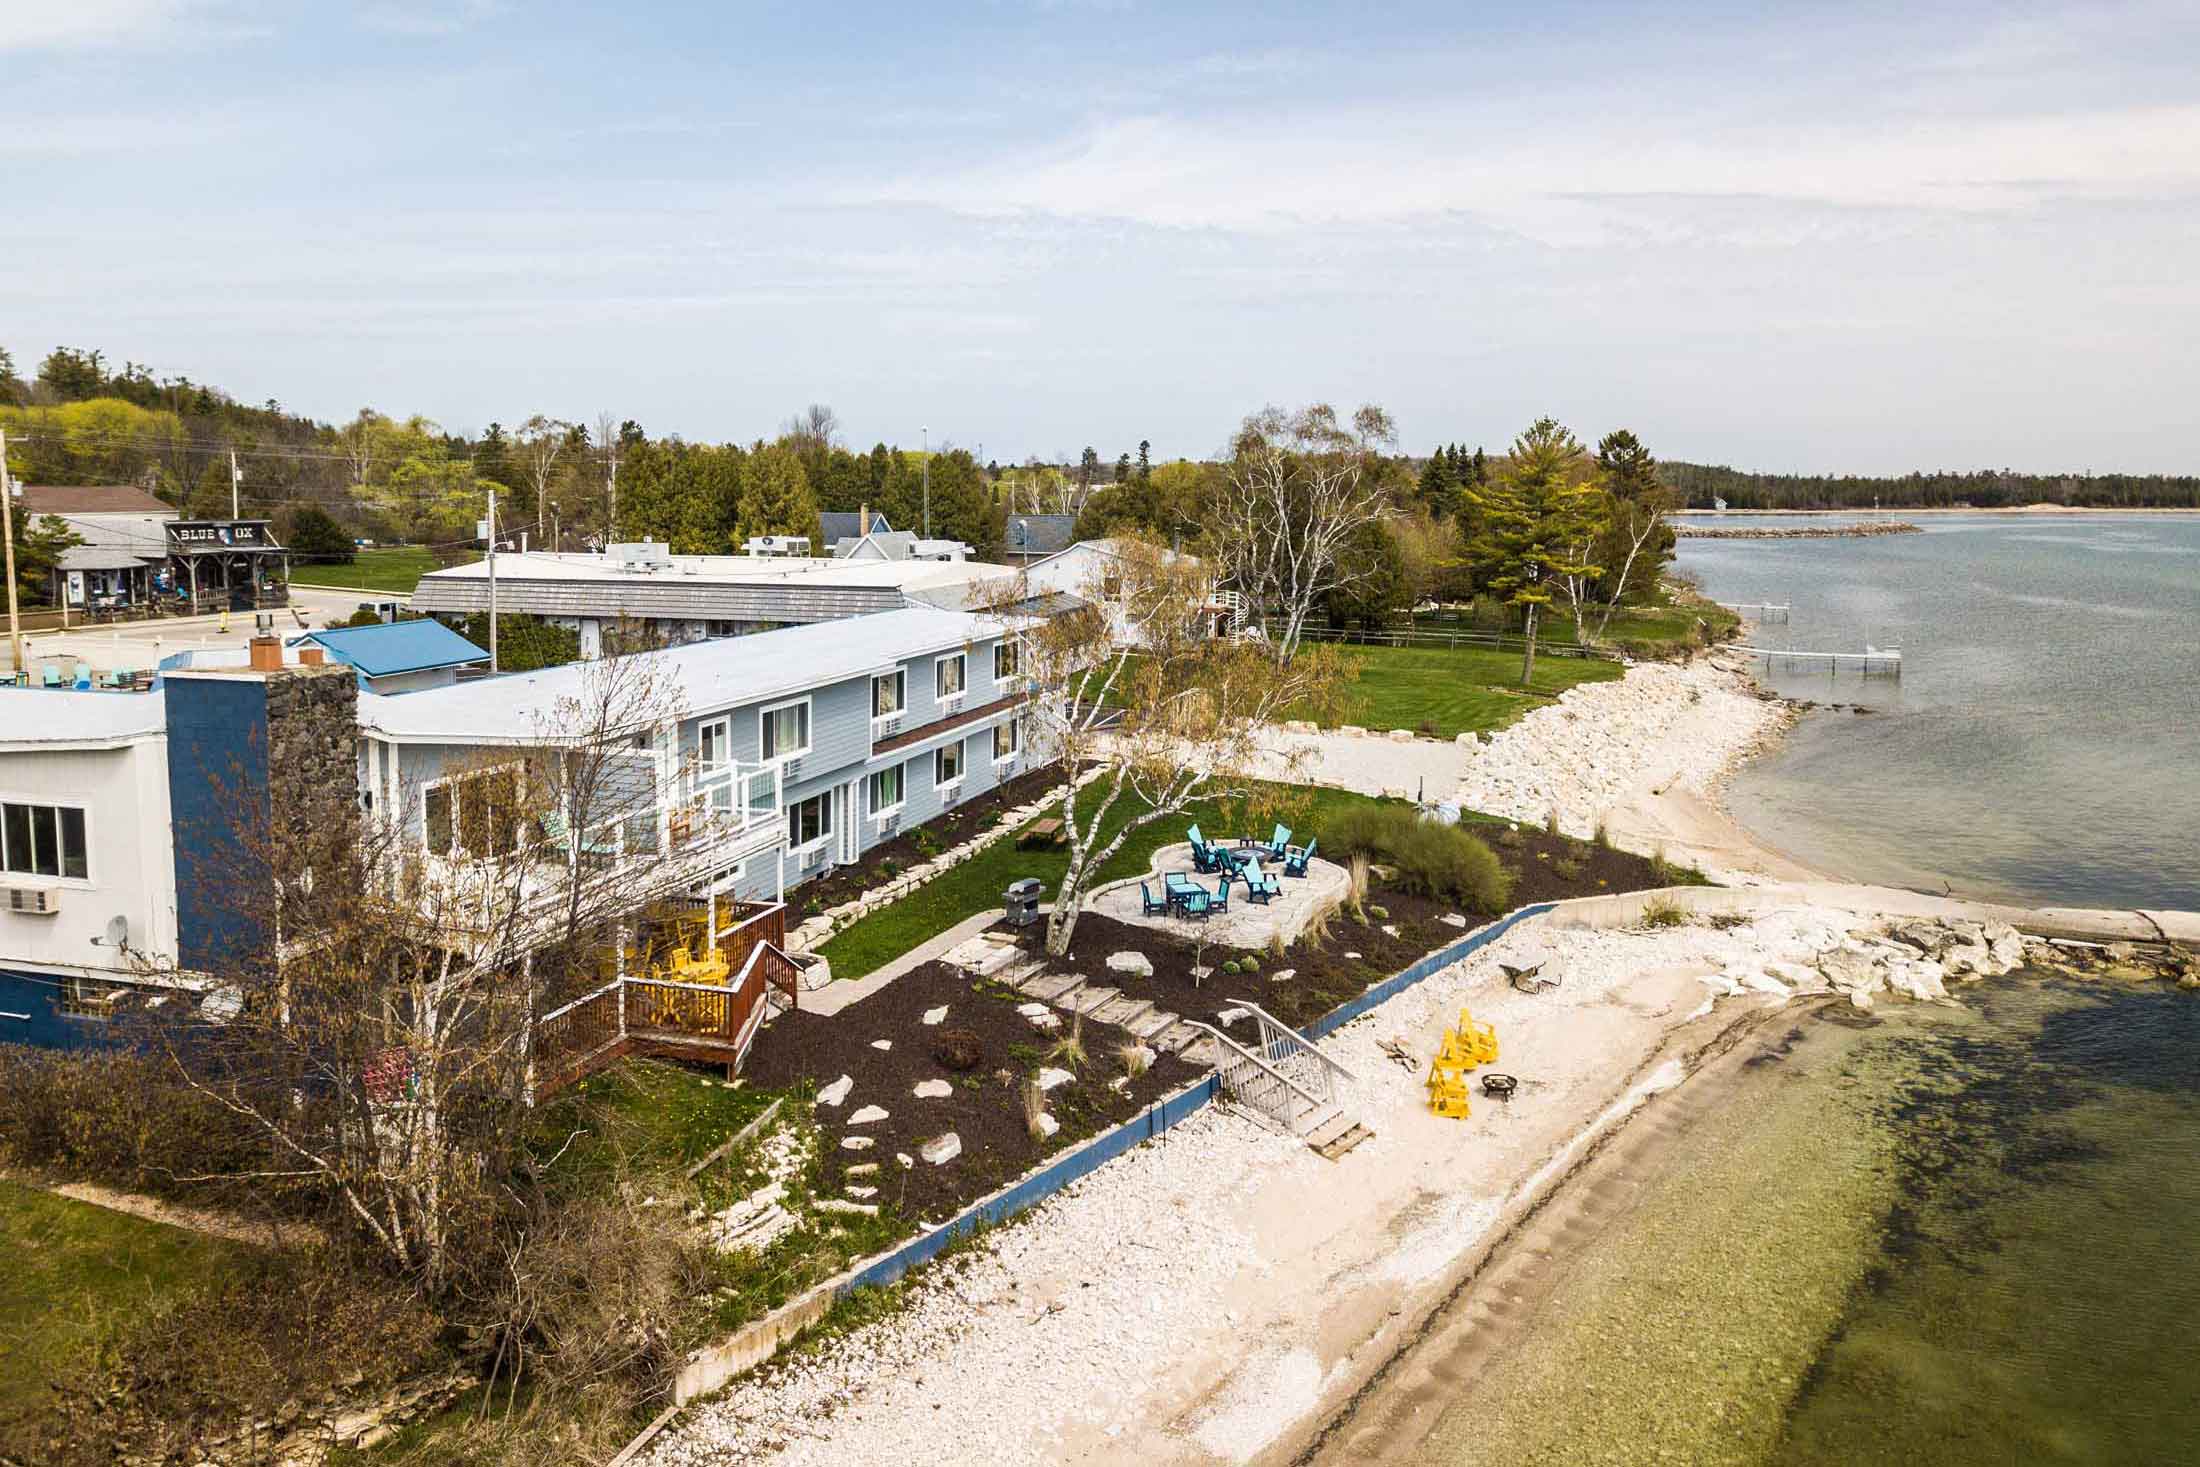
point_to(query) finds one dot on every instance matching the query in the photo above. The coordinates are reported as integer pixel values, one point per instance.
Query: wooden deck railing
(718, 1023)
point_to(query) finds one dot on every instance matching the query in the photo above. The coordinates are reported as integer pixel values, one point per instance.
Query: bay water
(2043, 742)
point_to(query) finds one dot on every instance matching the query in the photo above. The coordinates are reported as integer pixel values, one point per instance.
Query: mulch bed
(922, 842)
(1546, 867)
(1551, 868)
(986, 1109)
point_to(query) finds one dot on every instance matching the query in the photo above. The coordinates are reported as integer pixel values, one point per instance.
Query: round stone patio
(1247, 924)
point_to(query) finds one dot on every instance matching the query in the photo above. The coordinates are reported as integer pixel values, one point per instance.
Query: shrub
(1604, 833)
(1069, 1050)
(128, 1118)
(960, 1050)
(1426, 856)
(1230, 968)
(1660, 912)
(1550, 822)
(1569, 869)
(1135, 1058)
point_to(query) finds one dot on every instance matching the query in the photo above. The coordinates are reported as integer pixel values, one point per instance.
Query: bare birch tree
(385, 1004)
(537, 445)
(1147, 711)
(1300, 487)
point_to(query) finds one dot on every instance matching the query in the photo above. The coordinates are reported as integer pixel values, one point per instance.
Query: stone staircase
(1328, 1128)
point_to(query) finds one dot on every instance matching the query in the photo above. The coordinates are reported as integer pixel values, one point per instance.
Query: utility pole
(236, 482)
(611, 482)
(927, 432)
(7, 533)
(492, 538)
(557, 532)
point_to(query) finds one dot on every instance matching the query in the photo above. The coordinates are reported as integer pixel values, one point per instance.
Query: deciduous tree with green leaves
(1533, 521)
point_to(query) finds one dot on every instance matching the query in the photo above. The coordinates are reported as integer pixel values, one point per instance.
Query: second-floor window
(786, 730)
(1008, 659)
(809, 821)
(949, 676)
(713, 746)
(474, 814)
(43, 840)
(889, 694)
(947, 763)
(886, 791)
(1007, 738)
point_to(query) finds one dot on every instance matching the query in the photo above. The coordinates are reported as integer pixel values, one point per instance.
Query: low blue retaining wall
(1106, 1147)
(1435, 962)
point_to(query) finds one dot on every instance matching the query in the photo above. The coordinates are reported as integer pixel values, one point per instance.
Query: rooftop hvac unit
(33, 901)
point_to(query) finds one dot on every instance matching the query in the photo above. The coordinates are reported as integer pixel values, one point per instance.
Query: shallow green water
(1934, 1237)
(2037, 1297)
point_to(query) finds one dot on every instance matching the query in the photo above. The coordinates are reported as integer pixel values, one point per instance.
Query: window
(713, 744)
(1007, 739)
(785, 730)
(886, 791)
(1008, 659)
(43, 840)
(890, 694)
(474, 814)
(90, 998)
(809, 821)
(949, 676)
(947, 763)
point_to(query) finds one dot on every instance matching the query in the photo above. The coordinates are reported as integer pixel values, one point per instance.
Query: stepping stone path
(934, 1016)
(861, 1169)
(856, 1143)
(868, 1114)
(1073, 993)
(882, 1044)
(841, 1204)
(836, 1092)
(1127, 962)
(863, 1191)
(941, 1150)
(934, 1090)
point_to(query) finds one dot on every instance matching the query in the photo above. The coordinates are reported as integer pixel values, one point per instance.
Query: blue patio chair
(1186, 895)
(1259, 885)
(1204, 856)
(50, 676)
(83, 677)
(1195, 903)
(1154, 906)
(1294, 861)
(1278, 844)
(1220, 902)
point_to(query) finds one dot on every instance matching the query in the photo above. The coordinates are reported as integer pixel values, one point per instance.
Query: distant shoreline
(1910, 509)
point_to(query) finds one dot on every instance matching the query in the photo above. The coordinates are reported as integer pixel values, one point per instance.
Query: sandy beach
(1225, 1295)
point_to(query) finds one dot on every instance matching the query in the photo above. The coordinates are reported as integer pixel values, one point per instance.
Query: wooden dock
(1758, 611)
(1871, 662)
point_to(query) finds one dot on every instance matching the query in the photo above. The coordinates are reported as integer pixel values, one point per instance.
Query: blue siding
(218, 790)
(37, 998)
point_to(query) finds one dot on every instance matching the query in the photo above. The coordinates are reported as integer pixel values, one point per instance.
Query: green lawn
(652, 1116)
(396, 569)
(75, 1271)
(1455, 690)
(977, 884)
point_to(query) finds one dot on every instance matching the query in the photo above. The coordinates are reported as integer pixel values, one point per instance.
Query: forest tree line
(1698, 485)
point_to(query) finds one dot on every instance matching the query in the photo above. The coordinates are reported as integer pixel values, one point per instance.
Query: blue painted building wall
(217, 790)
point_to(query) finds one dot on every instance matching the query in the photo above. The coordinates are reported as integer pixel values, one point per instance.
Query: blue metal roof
(398, 646)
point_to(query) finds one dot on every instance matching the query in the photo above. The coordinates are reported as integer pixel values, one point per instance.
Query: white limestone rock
(935, 1016)
(1136, 964)
(836, 1092)
(1047, 1125)
(1452, 919)
(1050, 1078)
(933, 1089)
(941, 1150)
(867, 1115)
(842, 1204)
(857, 1143)
(882, 1045)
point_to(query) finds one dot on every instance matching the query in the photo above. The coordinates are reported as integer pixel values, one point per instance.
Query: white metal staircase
(1288, 1082)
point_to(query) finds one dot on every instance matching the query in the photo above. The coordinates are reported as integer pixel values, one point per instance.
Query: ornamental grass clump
(1424, 856)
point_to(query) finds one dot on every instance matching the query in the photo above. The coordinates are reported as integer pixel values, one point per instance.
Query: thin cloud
(79, 25)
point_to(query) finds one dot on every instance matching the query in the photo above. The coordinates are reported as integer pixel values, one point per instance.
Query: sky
(1845, 238)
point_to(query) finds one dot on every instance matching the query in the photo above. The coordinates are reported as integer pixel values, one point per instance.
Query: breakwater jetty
(1798, 532)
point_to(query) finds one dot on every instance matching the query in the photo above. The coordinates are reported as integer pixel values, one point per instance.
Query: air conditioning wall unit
(33, 901)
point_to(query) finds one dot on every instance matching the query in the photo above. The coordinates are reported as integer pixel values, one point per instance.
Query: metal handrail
(1231, 1046)
(1271, 1026)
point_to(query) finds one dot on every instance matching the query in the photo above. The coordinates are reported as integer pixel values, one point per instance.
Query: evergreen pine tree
(775, 496)
(1530, 521)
